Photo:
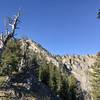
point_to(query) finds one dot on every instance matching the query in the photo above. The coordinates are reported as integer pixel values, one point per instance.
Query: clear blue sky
(61, 26)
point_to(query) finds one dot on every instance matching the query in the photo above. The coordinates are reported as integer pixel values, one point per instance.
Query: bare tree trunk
(12, 24)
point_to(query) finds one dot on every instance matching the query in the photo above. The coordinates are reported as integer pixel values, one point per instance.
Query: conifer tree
(95, 79)
(9, 50)
(10, 58)
(64, 89)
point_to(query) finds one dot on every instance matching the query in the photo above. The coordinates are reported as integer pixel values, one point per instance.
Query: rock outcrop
(80, 66)
(77, 65)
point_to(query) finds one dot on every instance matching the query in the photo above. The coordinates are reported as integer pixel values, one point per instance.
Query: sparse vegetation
(95, 79)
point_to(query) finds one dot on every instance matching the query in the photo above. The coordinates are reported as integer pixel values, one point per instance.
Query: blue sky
(61, 26)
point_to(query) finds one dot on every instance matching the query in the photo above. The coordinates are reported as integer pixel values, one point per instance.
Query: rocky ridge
(78, 65)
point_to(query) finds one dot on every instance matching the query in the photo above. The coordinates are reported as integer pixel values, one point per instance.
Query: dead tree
(10, 30)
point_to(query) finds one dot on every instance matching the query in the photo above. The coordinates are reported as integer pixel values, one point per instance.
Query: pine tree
(72, 87)
(64, 89)
(63, 85)
(9, 51)
(10, 58)
(95, 79)
(56, 79)
(44, 73)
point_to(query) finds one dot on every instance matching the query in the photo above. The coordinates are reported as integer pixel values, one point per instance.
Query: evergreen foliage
(10, 58)
(95, 79)
(63, 85)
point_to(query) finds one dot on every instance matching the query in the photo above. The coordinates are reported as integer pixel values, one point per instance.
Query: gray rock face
(80, 66)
